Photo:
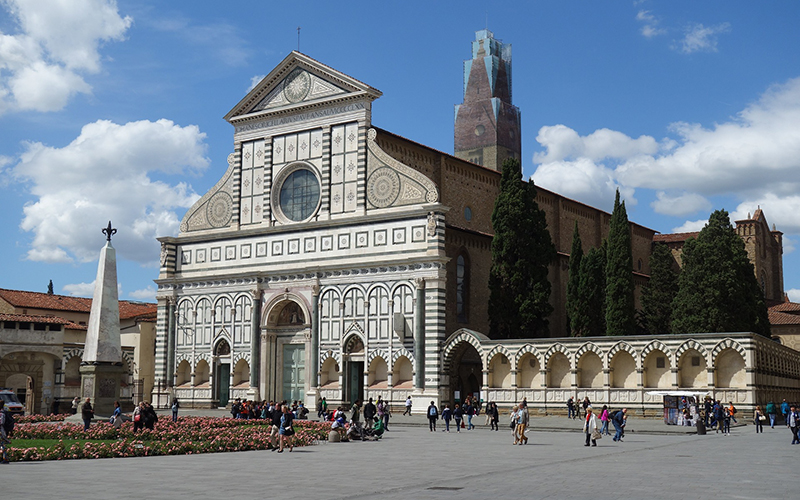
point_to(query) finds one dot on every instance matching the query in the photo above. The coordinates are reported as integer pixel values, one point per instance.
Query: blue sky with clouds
(113, 110)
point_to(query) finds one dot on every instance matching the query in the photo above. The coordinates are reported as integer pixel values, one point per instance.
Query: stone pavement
(413, 463)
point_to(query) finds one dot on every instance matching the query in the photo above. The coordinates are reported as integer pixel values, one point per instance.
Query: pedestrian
(387, 413)
(571, 408)
(75, 403)
(356, 416)
(732, 411)
(369, 412)
(87, 414)
(772, 411)
(138, 417)
(793, 419)
(758, 420)
(707, 407)
(719, 418)
(785, 408)
(522, 424)
(586, 404)
(514, 420)
(447, 414)
(275, 426)
(488, 413)
(604, 420)
(287, 430)
(470, 412)
(408, 406)
(458, 414)
(590, 427)
(433, 414)
(150, 417)
(116, 416)
(175, 406)
(618, 420)
(492, 408)
(727, 415)
(4, 437)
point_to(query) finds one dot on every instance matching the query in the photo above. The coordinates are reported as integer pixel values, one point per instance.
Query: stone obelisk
(101, 369)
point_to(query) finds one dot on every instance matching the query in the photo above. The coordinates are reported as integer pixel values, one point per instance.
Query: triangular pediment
(296, 83)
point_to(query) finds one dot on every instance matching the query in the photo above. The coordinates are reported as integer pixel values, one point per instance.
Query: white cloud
(582, 180)
(563, 143)
(794, 294)
(222, 41)
(650, 27)
(85, 289)
(678, 205)
(700, 38)
(105, 174)
(690, 226)
(41, 65)
(255, 81)
(145, 294)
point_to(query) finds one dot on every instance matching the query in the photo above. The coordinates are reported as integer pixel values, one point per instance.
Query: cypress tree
(573, 282)
(660, 291)
(717, 288)
(619, 274)
(590, 315)
(519, 292)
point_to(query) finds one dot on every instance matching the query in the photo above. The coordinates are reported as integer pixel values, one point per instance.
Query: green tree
(620, 308)
(660, 291)
(574, 280)
(519, 291)
(590, 315)
(717, 287)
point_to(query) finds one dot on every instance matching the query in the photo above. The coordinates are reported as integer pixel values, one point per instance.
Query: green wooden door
(223, 382)
(294, 372)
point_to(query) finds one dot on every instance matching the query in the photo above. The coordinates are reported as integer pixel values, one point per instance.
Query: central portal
(354, 374)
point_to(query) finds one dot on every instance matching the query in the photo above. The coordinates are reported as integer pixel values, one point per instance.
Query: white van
(12, 404)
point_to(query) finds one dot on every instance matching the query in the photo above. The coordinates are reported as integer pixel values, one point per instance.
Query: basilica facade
(336, 259)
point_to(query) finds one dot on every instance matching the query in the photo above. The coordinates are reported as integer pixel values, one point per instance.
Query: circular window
(298, 194)
(479, 130)
(468, 213)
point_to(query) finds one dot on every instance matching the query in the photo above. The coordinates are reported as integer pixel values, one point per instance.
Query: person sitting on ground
(338, 426)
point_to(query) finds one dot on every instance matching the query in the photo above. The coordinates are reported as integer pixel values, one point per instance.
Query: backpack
(612, 415)
(432, 411)
(8, 423)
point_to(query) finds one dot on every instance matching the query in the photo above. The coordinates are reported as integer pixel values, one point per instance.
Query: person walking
(514, 421)
(604, 420)
(758, 420)
(727, 415)
(793, 420)
(523, 418)
(590, 427)
(408, 406)
(571, 408)
(175, 406)
(618, 420)
(495, 415)
(458, 415)
(586, 404)
(772, 411)
(87, 414)
(4, 437)
(387, 412)
(447, 414)
(470, 411)
(75, 403)
(785, 408)
(356, 415)
(433, 415)
(287, 430)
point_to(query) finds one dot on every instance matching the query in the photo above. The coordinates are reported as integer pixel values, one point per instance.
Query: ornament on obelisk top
(103, 344)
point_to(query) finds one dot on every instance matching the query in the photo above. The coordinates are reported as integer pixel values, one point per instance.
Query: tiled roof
(674, 237)
(782, 318)
(34, 319)
(53, 302)
(786, 307)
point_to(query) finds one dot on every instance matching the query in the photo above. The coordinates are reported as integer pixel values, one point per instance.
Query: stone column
(171, 312)
(315, 336)
(675, 381)
(419, 335)
(255, 339)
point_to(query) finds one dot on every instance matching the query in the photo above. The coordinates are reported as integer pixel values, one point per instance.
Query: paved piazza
(413, 463)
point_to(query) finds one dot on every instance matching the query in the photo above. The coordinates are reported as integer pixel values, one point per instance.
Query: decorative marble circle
(383, 187)
(297, 85)
(218, 210)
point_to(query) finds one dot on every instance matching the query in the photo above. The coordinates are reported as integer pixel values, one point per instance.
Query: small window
(467, 214)
(503, 361)
(532, 362)
(639, 264)
(695, 360)
(661, 362)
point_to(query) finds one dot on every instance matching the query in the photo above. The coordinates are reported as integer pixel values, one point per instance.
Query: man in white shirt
(408, 406)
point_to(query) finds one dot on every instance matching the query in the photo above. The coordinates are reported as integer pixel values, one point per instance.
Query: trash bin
(701, 427)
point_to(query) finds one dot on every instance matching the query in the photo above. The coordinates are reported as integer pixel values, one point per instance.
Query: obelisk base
(101, 383)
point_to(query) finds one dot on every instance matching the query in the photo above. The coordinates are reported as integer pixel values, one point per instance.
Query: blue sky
(114, 110)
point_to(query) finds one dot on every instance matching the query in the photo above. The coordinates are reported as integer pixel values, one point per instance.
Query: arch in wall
(499, 371)
(557, 348)
(691, 345)
(558, 370)
(623, 369)
(378, 372)
(590, 370)
(529, 371)
(659, 346)
(465, 368)
(202, 373)
(402, 373)
(729, 344)
(329, 373)
(622, 346)
(657, 369)
(588, 347)
(183, 374)
(692, 368)
(402, 352)
(72, 372)
(502, 350)
(730, 370)
(453, 346)
(241, 374)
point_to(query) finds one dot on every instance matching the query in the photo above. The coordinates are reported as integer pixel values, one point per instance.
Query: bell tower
(487, 129)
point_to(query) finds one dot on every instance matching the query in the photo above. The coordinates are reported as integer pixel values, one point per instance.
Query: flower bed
(189, 435)
(33, 419)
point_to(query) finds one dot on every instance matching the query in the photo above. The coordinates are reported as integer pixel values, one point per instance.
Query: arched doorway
(222, 378)
(354, 369)
(466, 372)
